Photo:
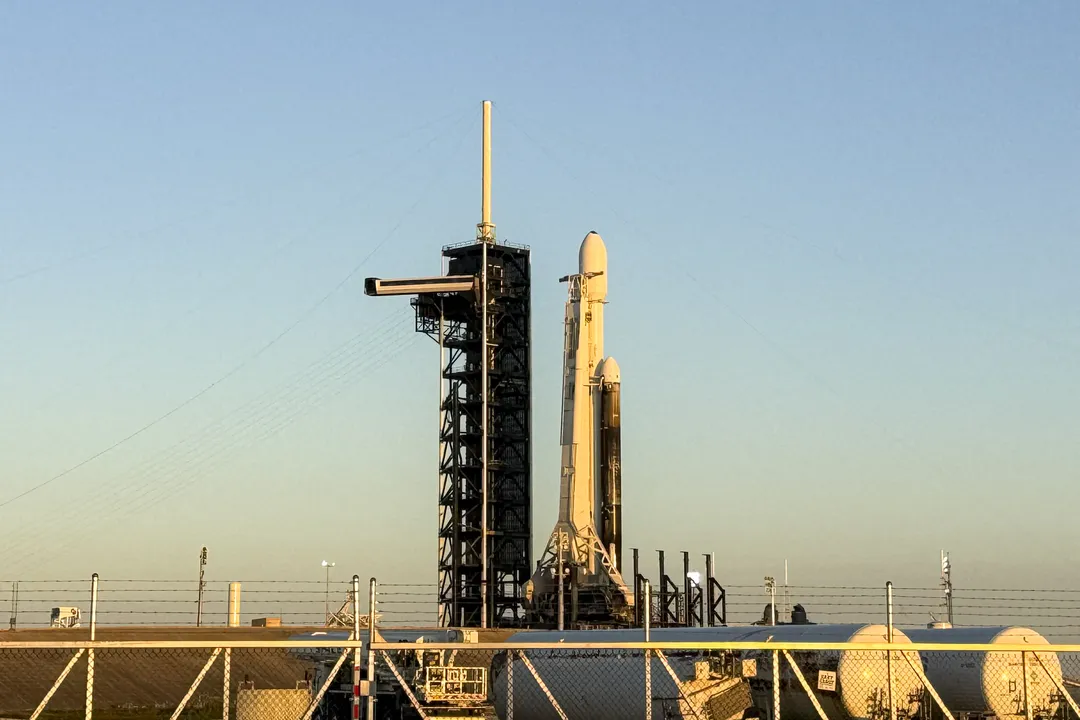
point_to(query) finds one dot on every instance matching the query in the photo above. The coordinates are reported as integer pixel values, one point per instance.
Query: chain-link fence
(148, 681)
(1012, 678)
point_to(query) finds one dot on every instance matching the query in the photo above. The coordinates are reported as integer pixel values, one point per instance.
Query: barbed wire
(174, 602)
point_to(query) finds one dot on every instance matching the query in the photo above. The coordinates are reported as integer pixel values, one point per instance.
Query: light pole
(327, 565)
(770, 587)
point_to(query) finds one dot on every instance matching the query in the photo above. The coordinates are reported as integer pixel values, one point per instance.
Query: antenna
(202, 585)
(787, 592)
(485, 235)
(770, 588)
(946, 585)
(13, 622)
(485, 231)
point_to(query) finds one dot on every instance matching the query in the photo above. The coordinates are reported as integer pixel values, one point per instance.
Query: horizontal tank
(849, 684)
(610, 684)
(990, 683)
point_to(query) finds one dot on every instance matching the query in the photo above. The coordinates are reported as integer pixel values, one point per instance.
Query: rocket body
(591, 477)
(584, 549)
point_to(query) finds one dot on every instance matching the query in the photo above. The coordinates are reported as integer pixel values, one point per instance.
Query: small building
(266, 622)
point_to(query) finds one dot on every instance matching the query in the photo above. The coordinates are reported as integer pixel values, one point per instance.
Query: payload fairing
(586, 545)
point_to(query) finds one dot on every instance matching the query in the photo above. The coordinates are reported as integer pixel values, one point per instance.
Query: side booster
(610, 459)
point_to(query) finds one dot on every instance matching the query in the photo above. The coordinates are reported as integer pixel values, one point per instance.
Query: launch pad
(479, 312)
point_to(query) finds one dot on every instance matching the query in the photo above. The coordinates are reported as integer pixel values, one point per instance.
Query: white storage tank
(981, 683)
(610, 684)
(849, 684)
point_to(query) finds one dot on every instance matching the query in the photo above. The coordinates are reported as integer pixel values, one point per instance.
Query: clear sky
(843, 244)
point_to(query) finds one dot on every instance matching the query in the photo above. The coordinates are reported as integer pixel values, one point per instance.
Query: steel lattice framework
(457, 322)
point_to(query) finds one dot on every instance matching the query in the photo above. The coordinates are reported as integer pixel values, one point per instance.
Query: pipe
(637, 588)
(647, 610)
(687, 612)
(663, 589)
(710, 591)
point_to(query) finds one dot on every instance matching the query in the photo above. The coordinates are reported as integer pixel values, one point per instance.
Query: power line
(188, 466)
(243, 364)
(206, 296)
(202, 212)
(834, 253)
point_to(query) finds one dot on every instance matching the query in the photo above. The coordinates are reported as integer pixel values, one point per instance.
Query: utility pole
(202, 585)
(14, 621)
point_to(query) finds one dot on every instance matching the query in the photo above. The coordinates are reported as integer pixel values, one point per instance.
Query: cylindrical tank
(610, 684)
(990, 683)
(610, 459)
(234, 604)
(849, 684)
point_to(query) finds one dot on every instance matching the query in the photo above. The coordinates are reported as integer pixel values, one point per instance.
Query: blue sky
(843, 250)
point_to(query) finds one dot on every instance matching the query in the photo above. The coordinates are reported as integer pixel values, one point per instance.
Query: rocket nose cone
(609, 370)
(592, 259)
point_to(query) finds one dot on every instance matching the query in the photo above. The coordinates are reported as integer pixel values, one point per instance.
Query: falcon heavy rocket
(582, 557)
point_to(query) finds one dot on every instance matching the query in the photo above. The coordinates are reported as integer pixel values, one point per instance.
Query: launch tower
(480, 314)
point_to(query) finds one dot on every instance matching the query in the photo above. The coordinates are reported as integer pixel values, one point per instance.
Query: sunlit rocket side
(590, 512)
(580, 402)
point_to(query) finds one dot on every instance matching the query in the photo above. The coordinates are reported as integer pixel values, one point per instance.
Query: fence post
(776, 685)
(372, 636)
(93, 606)
(226, 684)
(356, 650)
(1027, 689)
(889, 639)
(510, 685)
(646, 592)
(232, 621)
(90, 651)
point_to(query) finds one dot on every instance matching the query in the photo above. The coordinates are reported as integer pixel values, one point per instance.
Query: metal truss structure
(485, 498)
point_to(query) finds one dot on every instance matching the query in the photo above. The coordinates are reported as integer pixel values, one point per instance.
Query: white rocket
(587, 539)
